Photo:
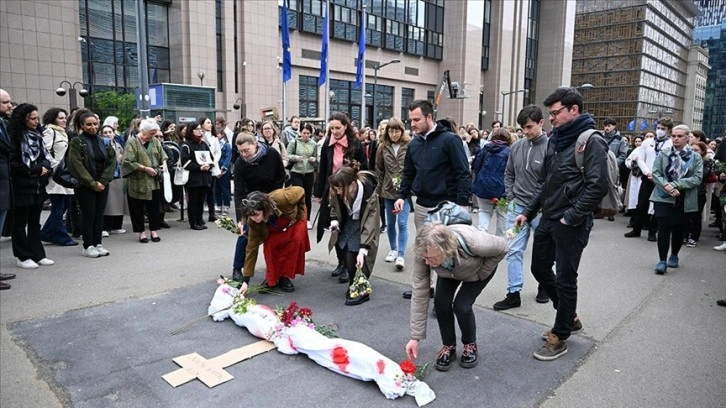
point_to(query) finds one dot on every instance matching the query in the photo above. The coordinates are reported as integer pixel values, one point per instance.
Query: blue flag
(324, 50)
(631, 125)
(644, 125)
(361, 55)
(655, 124)
(286, 58)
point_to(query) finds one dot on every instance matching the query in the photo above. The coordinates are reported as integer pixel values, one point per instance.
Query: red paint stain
(340, 358)
(381, 366)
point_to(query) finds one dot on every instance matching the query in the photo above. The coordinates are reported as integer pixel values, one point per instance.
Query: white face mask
(660, 133)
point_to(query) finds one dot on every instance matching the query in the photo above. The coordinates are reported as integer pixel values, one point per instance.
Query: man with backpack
(567, 198)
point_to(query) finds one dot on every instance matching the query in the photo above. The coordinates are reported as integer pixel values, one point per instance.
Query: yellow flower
(353, 295)
(369, 290)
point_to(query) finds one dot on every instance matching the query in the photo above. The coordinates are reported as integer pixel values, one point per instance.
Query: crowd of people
(367, 182)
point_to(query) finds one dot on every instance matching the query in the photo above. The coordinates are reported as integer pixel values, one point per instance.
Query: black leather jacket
(566, 192)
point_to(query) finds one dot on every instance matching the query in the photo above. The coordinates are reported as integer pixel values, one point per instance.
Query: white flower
(510, 234)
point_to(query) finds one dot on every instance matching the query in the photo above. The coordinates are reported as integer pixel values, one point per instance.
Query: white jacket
(56, 142)
(647, 154)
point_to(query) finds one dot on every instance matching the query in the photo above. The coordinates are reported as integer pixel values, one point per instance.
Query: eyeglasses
(557, 111)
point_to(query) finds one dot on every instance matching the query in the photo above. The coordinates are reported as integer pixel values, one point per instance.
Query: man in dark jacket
(435, 168)
(567, 199)
(6, 195)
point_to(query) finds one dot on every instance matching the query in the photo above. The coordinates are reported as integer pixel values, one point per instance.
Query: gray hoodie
(525, 169)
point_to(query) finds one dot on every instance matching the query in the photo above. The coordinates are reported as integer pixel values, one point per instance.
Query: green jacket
(687, 185)
(140, 185)
(82, 167)
(300, 152)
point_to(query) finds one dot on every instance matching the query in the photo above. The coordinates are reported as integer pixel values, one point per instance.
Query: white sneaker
(400, 263)
(6, 239)
(104, 234)
(91, 252)
(102, 251)
(118, 231)
(46, 262)
(391, 256)
(27, 264)
(310, 225)
(721, 247)
(217, 209)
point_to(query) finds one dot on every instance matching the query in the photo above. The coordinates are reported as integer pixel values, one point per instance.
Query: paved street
(95, 332)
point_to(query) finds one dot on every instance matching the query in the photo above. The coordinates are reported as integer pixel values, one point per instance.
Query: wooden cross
(211, 372)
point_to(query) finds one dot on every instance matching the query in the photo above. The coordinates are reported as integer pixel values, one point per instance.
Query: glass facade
(308, 96)
(532, 52)
(348, 99)
(407, 97)
(486, 35)
(108, 51)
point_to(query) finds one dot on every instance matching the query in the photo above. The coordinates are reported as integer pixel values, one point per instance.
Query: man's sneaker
(541, 296)
(102, 251)
(692, 243)
(576, 328)
(672, 261)
(661, 267)
(512, 300)
(46, 262)
(721, 247)
(400, 263)
(552, 349)
(91, 252)
(468, 356)
(27, 264)
(118, 231)
(104, 234)
(391, 256)
(446, 356)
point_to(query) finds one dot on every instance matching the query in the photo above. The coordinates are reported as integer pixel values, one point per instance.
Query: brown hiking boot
(551, 350)
(576, 328)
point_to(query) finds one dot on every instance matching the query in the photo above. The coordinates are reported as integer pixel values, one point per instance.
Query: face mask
(660, 133)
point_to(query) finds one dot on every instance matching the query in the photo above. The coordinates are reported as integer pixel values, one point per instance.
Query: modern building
(636, 54)
(503, 54)
(710, 33)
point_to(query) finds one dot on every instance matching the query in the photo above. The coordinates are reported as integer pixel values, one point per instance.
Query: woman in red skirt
(279, 221)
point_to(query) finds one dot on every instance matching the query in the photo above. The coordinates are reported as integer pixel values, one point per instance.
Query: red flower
(305, 312)
(408, 367)
(495, 200)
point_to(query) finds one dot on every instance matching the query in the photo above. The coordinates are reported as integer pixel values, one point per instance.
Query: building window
(109, 53)
(345, 23)
(486, 35)
(308, 96)
(220, 54)
(532, 52)
(407, 97)
(312, 16)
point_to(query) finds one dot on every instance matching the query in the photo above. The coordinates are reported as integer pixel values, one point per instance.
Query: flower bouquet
(719, 167)
(512, 232)
(501, 204)
(396, 182)
(359, 290)
(228, 224)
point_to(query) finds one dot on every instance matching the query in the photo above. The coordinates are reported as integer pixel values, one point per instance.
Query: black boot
(541, 296)
(446, 356)
(237, 274)
(468, 356)
(343, 277)
(337, 270)
(512, 300)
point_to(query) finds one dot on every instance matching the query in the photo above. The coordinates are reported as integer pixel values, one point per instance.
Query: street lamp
(201, 75)
(72, 92)
(374, 122)
(504, 106)
(586, 85)
(237, 105)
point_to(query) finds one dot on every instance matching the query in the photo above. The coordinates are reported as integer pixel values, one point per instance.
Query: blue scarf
(678, 161)
(261, 152)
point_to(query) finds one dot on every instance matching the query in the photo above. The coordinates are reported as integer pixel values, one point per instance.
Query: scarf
(678, 163)
(257, 157)
(566, 135)
(339, 146)
(31, 146)
(354, 211)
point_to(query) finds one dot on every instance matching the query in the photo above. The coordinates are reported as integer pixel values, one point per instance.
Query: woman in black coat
(197, 158)
(339, 146)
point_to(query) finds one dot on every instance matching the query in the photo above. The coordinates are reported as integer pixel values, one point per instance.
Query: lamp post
(374, 122)
(238, 104)
(72, 100)
(586, 85)
(201, 75)
(504, 105)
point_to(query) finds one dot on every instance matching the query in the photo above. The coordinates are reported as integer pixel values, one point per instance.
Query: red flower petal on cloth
(381, 366)
(408, 367)
(340, 358)
(292, 346)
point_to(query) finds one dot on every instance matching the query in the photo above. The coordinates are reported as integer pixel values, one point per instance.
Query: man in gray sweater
(524, 171)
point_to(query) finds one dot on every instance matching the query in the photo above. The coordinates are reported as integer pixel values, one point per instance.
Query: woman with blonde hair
(389, 167)
(270, 137)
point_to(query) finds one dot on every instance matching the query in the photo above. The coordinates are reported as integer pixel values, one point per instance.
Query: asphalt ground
(95, 332)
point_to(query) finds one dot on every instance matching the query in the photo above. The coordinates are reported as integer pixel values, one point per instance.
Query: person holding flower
(677, 173)
(354, 216)
(278, 220)
(389, 167)
(488, 169)
(465, 260)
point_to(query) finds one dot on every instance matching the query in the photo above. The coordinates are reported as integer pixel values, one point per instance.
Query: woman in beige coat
(464, 259)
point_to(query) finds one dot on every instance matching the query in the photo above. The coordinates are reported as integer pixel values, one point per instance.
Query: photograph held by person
(144, 161)
(278, 221)
(567, 217)
(677, 173)
(30, 171)
(56, 143)
(302, 154)
(465, 260)
(116, 206)
(196, 157)
(257, 168)
(394, 141)
(339, 145)
(354, 215)
(6, 196)
(92, 163)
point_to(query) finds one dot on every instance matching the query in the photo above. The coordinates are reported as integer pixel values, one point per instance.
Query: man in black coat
(6, 193)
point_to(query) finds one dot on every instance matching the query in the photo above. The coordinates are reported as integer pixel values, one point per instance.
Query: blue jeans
(560, 245)
(54, 230)
(397, 221)
(222, 194)
(240, 249)
(517, 246)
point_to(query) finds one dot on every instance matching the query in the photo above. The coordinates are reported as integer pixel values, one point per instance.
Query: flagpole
(286, 60)
(363, 74)
(327, 65)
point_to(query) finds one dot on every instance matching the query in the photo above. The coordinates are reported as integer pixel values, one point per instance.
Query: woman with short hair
(197, 158)
(301, 152)
(116, 207)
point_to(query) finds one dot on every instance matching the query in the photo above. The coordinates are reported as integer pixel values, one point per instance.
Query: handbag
(181, 175)
(62, 176)
(168, 193)
(448, 213)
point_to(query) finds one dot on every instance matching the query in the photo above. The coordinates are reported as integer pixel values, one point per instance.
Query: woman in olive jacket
(92, 163)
